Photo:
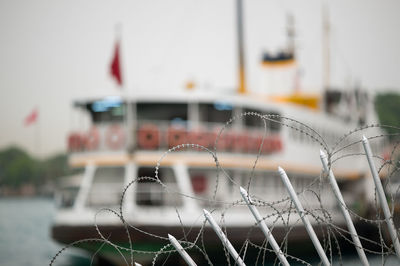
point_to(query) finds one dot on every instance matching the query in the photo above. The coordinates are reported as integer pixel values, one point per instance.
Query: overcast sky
(52, 52)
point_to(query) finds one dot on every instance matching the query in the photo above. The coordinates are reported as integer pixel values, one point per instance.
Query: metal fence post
(304, 218)
(181, 251)
(343, 208)
(382, 197)
(264, 227)
(223, 238)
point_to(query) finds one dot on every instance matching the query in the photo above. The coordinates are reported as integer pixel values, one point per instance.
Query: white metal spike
(223, 238)
(304, 218)
(181, 250)
(264, 227)
(343, 208)
(382, 197)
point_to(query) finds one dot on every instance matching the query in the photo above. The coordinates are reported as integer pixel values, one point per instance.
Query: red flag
(115, 68)
(32, 117)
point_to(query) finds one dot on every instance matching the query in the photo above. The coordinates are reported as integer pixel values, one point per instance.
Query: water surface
(25, 237)
(25, 234)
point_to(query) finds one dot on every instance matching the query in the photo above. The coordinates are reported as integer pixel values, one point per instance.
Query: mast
(290, 34)
(242, 74)
(326, 47)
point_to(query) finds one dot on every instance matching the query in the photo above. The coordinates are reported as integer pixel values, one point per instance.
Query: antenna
(326, 46)
(291, 33)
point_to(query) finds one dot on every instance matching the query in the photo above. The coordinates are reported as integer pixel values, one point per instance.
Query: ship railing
(153, 194)
(99, 137)
(161, 135)
(104, 195)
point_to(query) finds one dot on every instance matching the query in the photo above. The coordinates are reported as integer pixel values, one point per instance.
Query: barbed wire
(279, 214)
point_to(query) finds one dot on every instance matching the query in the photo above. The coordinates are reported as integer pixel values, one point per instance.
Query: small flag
(115, 68)
(32, 117)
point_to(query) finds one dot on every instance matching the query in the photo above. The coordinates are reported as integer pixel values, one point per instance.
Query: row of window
(107, 186)
(175, 112)
(301, 133)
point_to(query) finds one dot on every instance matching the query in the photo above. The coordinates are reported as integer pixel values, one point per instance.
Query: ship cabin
(124, 140)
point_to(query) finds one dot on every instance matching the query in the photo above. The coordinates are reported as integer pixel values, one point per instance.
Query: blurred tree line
(387, 106)
(17, 167)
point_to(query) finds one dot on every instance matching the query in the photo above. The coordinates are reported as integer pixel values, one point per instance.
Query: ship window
(256, 181)
(67, 196)
(68, 188)
(273, 123)
(107, 186)
(264, 185)
(106, 110)
(204, 183)
(162, 111)
(151, 193)
(215, 113)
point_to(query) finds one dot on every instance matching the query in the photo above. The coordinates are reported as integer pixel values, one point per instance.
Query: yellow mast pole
(242, 74)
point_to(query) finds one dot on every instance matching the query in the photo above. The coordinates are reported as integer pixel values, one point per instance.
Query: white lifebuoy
(115, 137)
(92, 139)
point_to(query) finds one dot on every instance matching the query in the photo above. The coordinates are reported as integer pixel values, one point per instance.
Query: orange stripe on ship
(206, 161)
(280, 63)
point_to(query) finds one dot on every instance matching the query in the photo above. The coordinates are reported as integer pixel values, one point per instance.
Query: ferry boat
(114, 154)
(184, 152)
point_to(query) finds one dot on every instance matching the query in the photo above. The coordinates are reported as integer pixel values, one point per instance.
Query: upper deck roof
(251, 100)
